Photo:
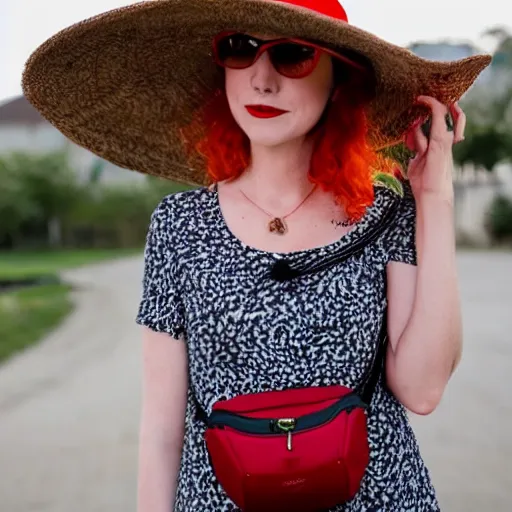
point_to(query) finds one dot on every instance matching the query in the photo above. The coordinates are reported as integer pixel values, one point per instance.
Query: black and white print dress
(246, 332)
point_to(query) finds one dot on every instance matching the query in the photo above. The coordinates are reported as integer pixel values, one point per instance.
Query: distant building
(443, 50)
(448, 51)
(22, 128)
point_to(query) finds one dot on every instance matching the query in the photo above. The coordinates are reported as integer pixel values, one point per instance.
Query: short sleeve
(161, 305)
(402, 236)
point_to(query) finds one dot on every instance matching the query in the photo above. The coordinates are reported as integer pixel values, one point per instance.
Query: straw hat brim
(123, 83)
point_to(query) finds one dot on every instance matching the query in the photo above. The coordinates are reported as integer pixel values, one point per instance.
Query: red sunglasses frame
(274, 42)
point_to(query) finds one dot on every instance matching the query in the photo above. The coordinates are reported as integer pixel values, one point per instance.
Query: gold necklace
(277, 224)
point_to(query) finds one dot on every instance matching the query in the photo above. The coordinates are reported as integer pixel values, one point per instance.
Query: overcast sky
(24, 24)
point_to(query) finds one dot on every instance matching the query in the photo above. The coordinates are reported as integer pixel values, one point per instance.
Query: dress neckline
(371, 216)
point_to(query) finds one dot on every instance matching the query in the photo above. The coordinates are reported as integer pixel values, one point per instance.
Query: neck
(278, 175)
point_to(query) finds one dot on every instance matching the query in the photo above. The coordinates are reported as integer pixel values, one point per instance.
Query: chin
(267, 139)
(270, 134)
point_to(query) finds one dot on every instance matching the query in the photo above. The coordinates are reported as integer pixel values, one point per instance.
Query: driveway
(69, 407)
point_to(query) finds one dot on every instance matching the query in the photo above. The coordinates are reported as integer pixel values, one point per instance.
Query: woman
(287, 134)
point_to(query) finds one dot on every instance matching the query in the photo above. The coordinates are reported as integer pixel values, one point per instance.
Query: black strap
(367, 388)
(282, 271)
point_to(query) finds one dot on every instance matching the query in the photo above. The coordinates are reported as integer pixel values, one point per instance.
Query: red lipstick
(264, 111)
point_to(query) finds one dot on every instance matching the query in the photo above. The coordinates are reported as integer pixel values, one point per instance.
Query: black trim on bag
(221, 419)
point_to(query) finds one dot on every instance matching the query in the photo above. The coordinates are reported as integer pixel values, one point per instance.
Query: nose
(264, 78)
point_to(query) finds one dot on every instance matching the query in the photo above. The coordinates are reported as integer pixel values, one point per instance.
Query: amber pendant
(277, 225)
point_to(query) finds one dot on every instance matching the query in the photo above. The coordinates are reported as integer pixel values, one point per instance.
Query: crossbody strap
(282, 271)
(367, 388)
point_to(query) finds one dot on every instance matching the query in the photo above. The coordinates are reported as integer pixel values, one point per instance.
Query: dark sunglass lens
(237, 50)
(293, 59)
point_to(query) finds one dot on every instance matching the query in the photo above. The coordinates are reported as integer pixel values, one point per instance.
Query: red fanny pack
(300, 449)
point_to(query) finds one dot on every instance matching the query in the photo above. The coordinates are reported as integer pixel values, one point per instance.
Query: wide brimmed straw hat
(124, 83)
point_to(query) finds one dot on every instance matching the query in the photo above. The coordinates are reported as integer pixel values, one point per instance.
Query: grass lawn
(24, 264)
(28, 314)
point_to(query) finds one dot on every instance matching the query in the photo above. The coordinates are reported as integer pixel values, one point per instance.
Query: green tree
(47, 188)
(15, 205)
(485, 146)
(115, 215)
(488, 108)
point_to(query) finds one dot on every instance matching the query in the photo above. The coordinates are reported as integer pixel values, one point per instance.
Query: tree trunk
(54, 232)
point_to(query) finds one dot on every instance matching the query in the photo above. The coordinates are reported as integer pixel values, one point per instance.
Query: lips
(264, 111)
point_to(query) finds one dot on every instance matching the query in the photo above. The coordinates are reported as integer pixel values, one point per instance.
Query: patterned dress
(246, 332)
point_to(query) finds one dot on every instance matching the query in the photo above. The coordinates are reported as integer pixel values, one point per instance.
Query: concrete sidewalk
(69, 407)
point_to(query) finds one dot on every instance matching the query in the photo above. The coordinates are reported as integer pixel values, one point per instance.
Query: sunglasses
(292, 58)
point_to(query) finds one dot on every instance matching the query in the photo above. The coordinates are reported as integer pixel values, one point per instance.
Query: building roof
(20, 111)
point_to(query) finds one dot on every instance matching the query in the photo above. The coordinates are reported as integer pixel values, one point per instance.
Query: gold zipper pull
(286, 425)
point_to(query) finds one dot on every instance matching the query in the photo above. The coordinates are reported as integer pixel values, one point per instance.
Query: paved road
(69, 407)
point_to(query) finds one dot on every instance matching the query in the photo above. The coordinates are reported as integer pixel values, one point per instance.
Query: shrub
(499, 219)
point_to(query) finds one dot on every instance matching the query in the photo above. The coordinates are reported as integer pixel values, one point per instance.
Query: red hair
(342, 161)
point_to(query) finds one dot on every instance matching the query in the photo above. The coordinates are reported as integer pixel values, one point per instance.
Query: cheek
(235, 83)
(230, 87)
(312, 102)
(315, 90)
